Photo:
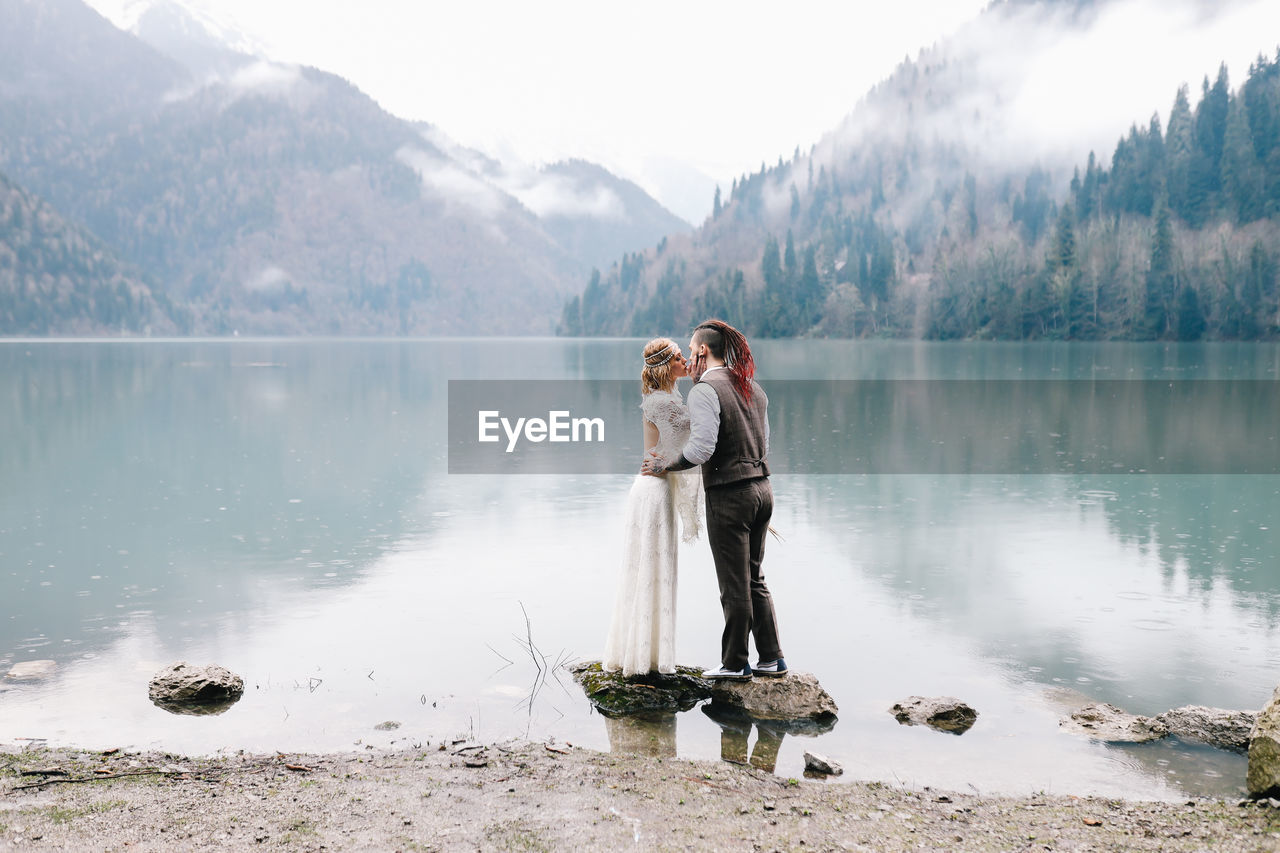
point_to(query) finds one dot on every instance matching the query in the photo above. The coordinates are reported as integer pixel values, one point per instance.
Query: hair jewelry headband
(659, 354)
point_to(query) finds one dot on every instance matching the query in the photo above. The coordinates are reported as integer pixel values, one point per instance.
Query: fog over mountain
(261, 197)
(1046, 81)
(928, 212)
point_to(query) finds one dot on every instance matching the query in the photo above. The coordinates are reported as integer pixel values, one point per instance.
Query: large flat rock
(1223, 729)
(1104, 722)
(616, 695)
(798, 701)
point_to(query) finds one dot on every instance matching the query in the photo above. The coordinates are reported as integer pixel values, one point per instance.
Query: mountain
(607, 216)
(61, 55)
(195, 43)
(944, 206)
(55, 277)
(273, 199)
(590, 212)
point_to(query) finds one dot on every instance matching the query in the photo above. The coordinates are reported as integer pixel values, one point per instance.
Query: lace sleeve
(668, 413)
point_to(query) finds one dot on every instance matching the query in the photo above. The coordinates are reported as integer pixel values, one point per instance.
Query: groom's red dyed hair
(728, 344)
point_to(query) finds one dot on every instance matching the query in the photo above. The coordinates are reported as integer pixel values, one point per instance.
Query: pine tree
(810, 294)
(771, 265)
(1063, 254)
(1177, 146)
(971, 204)
(1261, 292)
(1191, 323)
(1243, 180)
(1205, 181)
(1069, 314)
(1161, 278)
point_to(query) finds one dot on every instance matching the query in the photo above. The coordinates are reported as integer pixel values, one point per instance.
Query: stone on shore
(31, 670)
(1216, 727)
(815, 763)
(1263, 778)
(942, 713)
(616, 695)
(1108, 723)
(796, 702)
(198, 690)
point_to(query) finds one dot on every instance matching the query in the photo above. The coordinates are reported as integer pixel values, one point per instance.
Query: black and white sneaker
(722, 674)
(771, 668)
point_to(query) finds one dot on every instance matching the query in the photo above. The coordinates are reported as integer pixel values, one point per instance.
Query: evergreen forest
(1175, 236)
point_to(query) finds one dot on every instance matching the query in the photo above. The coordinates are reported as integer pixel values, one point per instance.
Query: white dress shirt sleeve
(704, 423)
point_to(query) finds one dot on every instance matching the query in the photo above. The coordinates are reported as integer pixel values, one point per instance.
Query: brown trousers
(737, 522)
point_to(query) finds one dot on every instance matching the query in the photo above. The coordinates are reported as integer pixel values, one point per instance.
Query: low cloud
(258, 78)
(265, 78)
(559, 195)
(480, 181)
(1047, 82)
(268, 280)
(453, 181)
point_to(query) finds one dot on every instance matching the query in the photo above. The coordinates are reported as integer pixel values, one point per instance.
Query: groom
(729, 438)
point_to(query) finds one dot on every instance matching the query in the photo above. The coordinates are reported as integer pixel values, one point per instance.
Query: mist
(1046, 83)
(482, 182)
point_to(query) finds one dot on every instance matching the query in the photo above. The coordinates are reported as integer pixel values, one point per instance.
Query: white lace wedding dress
(642, 636)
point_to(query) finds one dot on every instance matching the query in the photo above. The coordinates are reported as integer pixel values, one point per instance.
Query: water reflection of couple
(724, 429)
(655, 735)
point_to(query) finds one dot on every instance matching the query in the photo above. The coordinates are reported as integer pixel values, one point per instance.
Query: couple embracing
(724, 428)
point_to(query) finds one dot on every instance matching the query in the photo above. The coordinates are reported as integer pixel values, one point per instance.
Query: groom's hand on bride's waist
(680, 464)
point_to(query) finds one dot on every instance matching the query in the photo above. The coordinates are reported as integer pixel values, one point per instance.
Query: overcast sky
(720, 85)
(681, 95)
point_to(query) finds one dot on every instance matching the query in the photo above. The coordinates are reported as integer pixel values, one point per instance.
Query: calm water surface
(283, 509)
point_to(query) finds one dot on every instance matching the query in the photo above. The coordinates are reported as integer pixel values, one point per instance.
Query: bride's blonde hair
(658, 355)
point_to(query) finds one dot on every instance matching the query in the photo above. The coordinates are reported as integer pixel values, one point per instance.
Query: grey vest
(740, 445)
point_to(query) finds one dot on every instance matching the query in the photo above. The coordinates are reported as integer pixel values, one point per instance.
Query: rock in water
(1104, 722)
(32, 670)
(815, 763)
(1214, 726)
(200, 690)
(943, 713)
(1263, 778)
(798, 701)
(616, 695)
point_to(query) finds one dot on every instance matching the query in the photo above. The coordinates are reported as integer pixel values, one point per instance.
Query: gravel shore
(534, 796)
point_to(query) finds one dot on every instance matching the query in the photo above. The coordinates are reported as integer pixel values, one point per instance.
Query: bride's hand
(653, 465)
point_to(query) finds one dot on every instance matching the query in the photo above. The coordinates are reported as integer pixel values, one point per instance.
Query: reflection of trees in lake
(1215, 528)
(1025, 426)
(996, 562)
(869, 359)
(175, 478)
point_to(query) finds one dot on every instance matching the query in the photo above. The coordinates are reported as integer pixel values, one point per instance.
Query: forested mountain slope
(54, 277)
(273, 199)
(919, 217)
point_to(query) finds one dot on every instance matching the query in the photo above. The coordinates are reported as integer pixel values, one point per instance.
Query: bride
(642, 636)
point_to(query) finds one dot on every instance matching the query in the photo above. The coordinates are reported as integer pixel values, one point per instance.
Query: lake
(285, 509)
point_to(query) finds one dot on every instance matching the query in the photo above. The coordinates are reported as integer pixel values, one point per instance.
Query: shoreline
(536, 796)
